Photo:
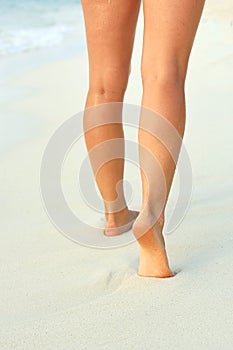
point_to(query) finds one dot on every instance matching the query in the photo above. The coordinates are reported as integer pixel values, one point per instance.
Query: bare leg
(110, 32)
(169, 31)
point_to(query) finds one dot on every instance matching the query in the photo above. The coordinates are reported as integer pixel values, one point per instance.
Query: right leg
(110, 31)
(169, 32)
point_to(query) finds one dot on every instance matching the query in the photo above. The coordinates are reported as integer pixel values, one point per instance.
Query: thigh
(169, 31)
(110, 29)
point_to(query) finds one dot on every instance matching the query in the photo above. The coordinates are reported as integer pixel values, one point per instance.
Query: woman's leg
(169, 31)
(110, 31)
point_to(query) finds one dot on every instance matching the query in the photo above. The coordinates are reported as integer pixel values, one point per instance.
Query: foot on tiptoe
(120, 222)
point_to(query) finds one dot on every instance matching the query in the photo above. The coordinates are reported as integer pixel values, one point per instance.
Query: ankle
(147, 223)
(114, 217)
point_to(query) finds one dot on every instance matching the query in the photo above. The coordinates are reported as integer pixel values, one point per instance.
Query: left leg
(110, 32)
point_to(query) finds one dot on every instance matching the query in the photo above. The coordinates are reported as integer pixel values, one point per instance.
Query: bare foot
(153, 263)
(120, 222)
(153, 256)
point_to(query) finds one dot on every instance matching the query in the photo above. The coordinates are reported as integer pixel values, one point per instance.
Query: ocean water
(33, 33)
(32, 25)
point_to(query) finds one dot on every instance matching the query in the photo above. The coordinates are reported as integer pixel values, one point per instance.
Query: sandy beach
(57, 294)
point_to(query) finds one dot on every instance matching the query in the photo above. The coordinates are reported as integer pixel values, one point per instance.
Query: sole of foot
(157, 275)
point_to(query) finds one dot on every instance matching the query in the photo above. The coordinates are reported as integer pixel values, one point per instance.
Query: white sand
(56, 294)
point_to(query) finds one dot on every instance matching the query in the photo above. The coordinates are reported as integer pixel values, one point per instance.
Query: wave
(31, 24)
(35, 38)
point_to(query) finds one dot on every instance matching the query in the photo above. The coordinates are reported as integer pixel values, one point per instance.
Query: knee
(109, 84)
(166, 76)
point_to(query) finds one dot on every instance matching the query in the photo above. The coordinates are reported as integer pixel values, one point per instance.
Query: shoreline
(19, 67)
